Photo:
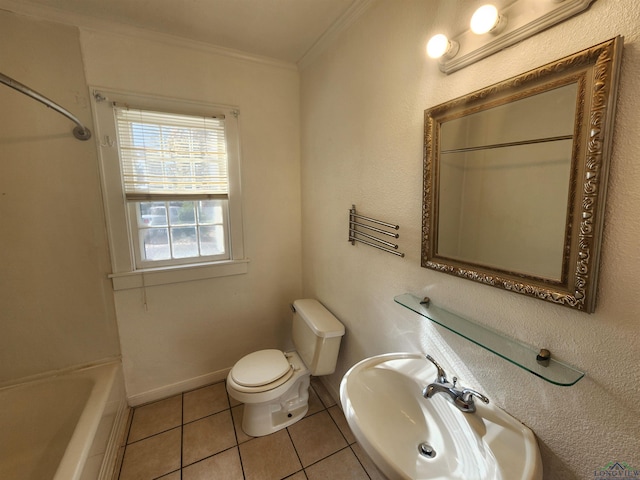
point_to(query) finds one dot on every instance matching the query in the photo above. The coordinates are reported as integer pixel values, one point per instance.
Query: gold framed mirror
(515, 179)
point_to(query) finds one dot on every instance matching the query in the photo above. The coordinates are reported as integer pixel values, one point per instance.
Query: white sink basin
(383, 403)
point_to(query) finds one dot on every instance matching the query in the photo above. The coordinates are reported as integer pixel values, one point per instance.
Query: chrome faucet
(463, 399)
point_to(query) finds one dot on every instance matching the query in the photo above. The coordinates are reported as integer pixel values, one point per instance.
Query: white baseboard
(176, 388)
(333, 391)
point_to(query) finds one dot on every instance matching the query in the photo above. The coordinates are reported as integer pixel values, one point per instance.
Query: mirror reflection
(515, 179)
(504, 184)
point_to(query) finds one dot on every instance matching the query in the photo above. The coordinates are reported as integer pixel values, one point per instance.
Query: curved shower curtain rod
(80, 131)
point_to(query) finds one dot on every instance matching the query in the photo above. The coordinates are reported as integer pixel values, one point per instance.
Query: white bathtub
(65, 427)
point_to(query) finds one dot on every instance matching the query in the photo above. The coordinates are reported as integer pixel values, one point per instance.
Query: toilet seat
(261, 371)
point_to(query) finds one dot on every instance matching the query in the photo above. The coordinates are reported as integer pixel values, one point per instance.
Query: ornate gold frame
(596, 70)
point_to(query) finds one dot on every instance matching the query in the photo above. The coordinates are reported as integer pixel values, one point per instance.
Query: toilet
(274, 385)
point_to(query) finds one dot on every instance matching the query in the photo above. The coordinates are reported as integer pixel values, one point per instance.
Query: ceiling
(280, 29)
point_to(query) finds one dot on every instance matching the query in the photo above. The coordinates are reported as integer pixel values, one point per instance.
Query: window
(174, 173)
(178, 231)
(171, 175)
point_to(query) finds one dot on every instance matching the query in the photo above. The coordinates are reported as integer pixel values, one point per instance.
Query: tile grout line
(302, 467)
(236, 446)
(366, 472)
(349, 445)
(229, 410)
(235, 433)
(208, 457)
(324, 409)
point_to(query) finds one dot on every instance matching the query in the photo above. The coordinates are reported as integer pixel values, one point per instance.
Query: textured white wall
(56, 306)
(191, 330)
(57, 303)
(362, 123)
(362, 104)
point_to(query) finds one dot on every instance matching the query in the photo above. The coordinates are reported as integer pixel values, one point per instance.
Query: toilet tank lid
(319, 319)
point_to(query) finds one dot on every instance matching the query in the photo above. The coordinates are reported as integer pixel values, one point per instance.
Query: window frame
(121, 233)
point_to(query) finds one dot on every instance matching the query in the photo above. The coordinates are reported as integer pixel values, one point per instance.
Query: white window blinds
(171, 155)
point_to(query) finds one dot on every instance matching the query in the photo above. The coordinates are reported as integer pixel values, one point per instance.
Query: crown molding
(92, 24)
(348, 18)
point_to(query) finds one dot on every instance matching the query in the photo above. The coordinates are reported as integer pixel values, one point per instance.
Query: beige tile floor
(197, 436)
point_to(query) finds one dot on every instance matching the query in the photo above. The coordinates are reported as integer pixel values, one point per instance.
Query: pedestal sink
(412, 437)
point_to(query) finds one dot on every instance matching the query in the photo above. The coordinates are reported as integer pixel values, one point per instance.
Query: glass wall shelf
(511, 350)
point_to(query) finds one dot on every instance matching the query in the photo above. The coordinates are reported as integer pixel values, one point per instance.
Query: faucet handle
(442, 376)
(465, 401)
(468, 394)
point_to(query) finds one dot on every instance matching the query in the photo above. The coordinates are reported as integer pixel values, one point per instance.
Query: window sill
(178, 274)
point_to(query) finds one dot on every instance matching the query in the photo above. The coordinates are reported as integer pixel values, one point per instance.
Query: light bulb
(487, 19)
(440, 46)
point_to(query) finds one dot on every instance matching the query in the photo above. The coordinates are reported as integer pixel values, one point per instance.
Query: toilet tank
(316, 336)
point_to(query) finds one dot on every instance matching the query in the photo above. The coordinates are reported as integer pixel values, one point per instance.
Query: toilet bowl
(274, 385)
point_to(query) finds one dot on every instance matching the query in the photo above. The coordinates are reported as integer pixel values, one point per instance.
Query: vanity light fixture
(526, 18)
(440, 46)
(487, 19)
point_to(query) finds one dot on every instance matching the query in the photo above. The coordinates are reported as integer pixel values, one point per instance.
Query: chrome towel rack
(356, 234)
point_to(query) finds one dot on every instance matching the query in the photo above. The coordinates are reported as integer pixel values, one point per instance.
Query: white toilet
(274, 385)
